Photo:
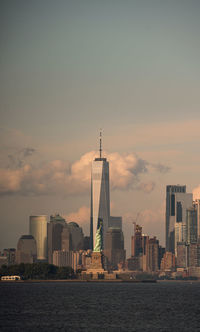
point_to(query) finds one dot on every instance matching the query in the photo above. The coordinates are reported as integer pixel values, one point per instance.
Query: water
(60, 306)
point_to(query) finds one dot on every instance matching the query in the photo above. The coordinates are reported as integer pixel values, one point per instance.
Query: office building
(62, 258)
(196, 204)
(115, 222)
(168, 262)
(153, 254)
(38, 229)
(54, 231)
(66, 239)
(114, 248)
(177, 201)
(137, 241)
(191, 223)
(76, 236)
(26, 250)
(100, 196)
(182, 255)
(10, 253)
(194, 255)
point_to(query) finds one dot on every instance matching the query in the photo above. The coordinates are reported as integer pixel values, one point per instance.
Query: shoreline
(78, 281)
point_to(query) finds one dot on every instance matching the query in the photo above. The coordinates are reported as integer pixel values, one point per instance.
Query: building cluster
(63, 243)
(146, 253)
(182, 254)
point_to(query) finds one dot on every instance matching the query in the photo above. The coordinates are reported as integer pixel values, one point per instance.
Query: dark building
(191, 224)
(114, 247)
(10, 253)
(77, 236)
(54, 231)
(26, 250)
(86, 244)
(171, 209)
(182, 255)
(66, 239)
(194, 255)
(153, 254)
(134, 263)
(136, 242)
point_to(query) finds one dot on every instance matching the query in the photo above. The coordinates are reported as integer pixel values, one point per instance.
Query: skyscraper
(177, 201)
(26, 250)
(114, 247)
(196, 203)
(100, 196)
(54, 230)
(38, 229)
(191, 219)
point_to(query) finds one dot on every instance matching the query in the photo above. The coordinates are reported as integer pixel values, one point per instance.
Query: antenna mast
(100, 143)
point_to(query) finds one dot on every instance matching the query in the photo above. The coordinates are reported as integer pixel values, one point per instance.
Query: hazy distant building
(182, 255)
(161, 252)
(177, 201)
(3, 260)
(10, 253)
(194, 254)
(115, 222)
(153, 254)
(134, 263)
(196, 204)
(62, 258)
(145, 253)
(114, 247)
(168, 261)
(26, 250)
(54, 231)
(66, 242)
(191, 222)
(137, 242)
(86, 244)
(38, 229)
(77, 236)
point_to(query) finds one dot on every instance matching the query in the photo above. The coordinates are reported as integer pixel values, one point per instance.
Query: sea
(90, 306)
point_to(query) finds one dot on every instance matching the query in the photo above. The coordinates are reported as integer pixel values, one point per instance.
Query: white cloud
(62, 178)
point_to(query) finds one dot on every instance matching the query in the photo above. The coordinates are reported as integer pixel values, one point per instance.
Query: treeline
(42, 271)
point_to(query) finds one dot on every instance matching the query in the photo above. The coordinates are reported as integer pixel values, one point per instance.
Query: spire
(100, 144)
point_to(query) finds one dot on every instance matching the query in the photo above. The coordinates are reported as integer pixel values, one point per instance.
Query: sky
(69, 68)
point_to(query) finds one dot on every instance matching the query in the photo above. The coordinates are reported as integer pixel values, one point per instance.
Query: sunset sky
(69, 68)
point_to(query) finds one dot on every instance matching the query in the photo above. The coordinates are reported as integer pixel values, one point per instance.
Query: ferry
(10, 278)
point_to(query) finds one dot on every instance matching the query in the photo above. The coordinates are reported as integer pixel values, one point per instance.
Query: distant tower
(177, 201)
(100, 195)
(38, 229)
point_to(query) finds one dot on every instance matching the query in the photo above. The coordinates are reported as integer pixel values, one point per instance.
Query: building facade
(54, 231)
(38, 229)
(26, 250)
(100, 198)
(114, 248)
(177, 201)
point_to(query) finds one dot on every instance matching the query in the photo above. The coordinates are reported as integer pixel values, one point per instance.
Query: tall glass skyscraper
(100, 197)
(38, 229)
(177, 201)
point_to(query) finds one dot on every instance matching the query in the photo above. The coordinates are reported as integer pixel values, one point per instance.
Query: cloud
(18, 158)
(161, 168)
(64, 178)
(196, 192)
(147, 187)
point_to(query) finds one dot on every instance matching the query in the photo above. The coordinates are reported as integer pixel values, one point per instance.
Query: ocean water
(62, 306)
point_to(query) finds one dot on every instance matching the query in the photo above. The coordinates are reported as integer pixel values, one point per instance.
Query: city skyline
(69, 69)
